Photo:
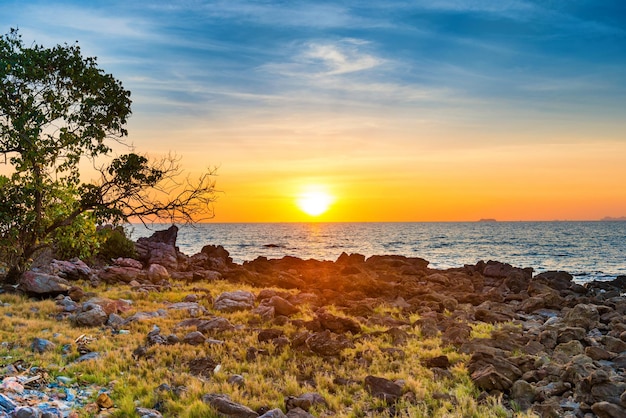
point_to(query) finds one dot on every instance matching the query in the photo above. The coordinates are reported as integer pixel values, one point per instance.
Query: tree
(56, 109)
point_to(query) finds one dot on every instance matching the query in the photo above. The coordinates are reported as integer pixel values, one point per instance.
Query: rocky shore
(559, 349)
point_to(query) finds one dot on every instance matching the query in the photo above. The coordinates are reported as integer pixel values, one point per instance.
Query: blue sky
(255, 84)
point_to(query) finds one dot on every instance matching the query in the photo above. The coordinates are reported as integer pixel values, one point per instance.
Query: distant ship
(487, 220)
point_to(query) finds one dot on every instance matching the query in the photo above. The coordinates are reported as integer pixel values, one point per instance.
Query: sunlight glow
(314, 201)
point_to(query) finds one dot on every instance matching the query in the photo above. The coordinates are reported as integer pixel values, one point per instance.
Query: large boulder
(74, 269)
(43, 284)
(160, 248)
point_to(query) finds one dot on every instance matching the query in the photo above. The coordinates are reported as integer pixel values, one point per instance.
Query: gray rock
(147, 413)
(194, 308)
(238, 300)
(216, 324)
(224, 405)
(40, 345)
(274, 413)
(26, 412)
(86, 357)
(91, 315)
(236, 380)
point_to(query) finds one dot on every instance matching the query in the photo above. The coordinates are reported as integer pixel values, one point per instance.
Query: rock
(582, 315)
(42, 284)
(110, 306)
(216, 324)
(274, 413)
(608, 410)
(299, 413)
(282, 306)
(236, 380)
(91, 315)
(327, 344)
(204, 366)
(304, 401)
(160, 248)
(489, 379)
(117, 274)
(523, 394)
(193, 308)
(7, 403)
(194, 338)
(613, 344)
(104, 401)
(440, 362)
(398, 336)
(428, 327)
(598, 353)
(234, 301)
(143, 316)
(147, 413)
(157, 273)
(269, 334)
(74, 269)
(559, 280)
(492, 316)
(456, 334)
(40, 345)
(86, 357)
(497, 269)
(26, 412)
(222, 404)
(564, 352)
(571, 333)
(382, 388)
(337, 324)
(128, 262)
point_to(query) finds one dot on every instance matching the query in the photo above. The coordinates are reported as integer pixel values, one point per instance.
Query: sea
(587, 250)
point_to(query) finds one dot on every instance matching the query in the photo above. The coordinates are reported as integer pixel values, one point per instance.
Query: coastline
(485, 339)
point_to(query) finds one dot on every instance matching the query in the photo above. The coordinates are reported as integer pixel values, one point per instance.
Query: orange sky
(404, 111)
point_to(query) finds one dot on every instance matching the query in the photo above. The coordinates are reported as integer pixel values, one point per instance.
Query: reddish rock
(282, 306)
(128, 262)
(116, 274)
(42, 284)
(157, 273)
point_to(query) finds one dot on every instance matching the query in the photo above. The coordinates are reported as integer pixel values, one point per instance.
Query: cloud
(323, 58)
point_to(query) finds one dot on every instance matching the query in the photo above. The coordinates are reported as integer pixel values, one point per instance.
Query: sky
(399, 110)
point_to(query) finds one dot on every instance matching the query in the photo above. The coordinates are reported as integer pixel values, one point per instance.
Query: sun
(314, 201)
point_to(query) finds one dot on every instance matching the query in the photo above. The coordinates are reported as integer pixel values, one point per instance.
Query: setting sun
(314, 201)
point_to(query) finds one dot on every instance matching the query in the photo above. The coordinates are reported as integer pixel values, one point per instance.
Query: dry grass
(268, 379)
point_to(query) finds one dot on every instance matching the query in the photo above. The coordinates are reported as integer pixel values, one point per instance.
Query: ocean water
(588, 250)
